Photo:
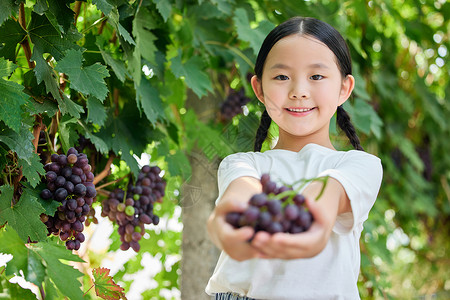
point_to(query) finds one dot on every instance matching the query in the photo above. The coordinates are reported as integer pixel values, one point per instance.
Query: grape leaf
(36, 270)
(15, 291)
(12, 97)
(6, 7)
(148, 98)
(48, 40)
(12, 244)
(142, 25)
(104, 6)
(117, 65)
(96, 111)
(114, 19)
(45, 73)
(105, 287)
(57, 12)
(164, 7)
(87, 80)
(254, 36)
(11, 34)
(193, 72)
(19, 142)
(64, 276)
(32, 170)
(23, 216)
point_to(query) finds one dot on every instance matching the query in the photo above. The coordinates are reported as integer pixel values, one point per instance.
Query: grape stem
(106, 170)
(112, 182)
(291, 193)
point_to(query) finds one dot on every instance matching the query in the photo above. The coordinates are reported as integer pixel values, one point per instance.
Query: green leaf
(19, 142)
(23, 216)
(12, 97)
(48, 40)
(6, 7)
(58, 13)
(99, 144)
(147, 97)
(164, 7)
(64, 276)
(11, 34)
(104, 6)
(96, 111)
(15, 291)
(142, 25)
(193, 72)
(255, 36)
(12, 244)
(114, 18)
(33, 170)
(45, 73)
(36, 270)
(87, 80)
(49, 206)
(67, 133)
(117, 65)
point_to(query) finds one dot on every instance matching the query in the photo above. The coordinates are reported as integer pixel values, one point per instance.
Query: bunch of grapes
(276, 209)
(133, 209)
(233, 104)
(69, 181)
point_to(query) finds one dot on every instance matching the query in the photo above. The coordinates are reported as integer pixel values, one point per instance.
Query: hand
(233, 241)
(301, 245)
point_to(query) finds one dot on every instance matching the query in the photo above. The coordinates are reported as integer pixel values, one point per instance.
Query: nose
(299, 90)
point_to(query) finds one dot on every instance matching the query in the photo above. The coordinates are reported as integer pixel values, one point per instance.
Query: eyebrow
(311, 66)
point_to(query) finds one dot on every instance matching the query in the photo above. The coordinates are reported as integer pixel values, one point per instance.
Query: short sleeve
(235, 166)
(360, 174)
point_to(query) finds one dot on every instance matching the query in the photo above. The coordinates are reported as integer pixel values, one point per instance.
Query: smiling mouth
(299, 110)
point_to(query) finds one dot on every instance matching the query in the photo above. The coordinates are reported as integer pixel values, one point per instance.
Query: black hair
(328, 35)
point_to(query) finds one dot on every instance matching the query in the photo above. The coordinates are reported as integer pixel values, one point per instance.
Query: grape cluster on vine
(69, 181)
(276, 209)
(133, 209)
(233, 104)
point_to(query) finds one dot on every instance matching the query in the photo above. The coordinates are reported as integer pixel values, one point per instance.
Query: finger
(225, 207)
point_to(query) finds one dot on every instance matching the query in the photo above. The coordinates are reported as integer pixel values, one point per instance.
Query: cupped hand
(300, 245)
(233, 241)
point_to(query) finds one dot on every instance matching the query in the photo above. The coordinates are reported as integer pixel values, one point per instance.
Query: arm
(333, 202)
(234, 241)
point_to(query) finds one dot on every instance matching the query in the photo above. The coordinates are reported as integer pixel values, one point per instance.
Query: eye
(316, 77)
(281, 77)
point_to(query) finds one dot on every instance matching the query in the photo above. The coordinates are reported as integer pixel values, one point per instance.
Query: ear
(348, 84)
(257, 88)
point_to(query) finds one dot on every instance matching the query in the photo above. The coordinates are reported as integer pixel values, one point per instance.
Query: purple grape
(274, 207)
(80, 189)
(291, 212)
(60, 181)
(72, 204)
(46, 194)
(251, 214)
(60, 194)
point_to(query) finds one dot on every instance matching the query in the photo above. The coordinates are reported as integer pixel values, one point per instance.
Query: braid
(262, 131)
(343, 120)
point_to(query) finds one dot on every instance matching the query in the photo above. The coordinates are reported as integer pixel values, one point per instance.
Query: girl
(303, 75)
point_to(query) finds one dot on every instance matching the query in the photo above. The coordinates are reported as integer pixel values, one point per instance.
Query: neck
(296, 143)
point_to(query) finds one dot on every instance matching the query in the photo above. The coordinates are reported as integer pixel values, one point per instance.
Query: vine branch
(105, 171)
(25, 43)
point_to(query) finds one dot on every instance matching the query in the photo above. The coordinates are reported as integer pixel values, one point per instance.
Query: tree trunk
(199, 255)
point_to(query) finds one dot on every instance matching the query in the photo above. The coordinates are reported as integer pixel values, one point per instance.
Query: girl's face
(301, 87)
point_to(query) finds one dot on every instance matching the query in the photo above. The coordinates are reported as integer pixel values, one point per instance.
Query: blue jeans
(231, 296)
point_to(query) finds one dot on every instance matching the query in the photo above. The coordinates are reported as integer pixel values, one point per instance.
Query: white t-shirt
(333, 273)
